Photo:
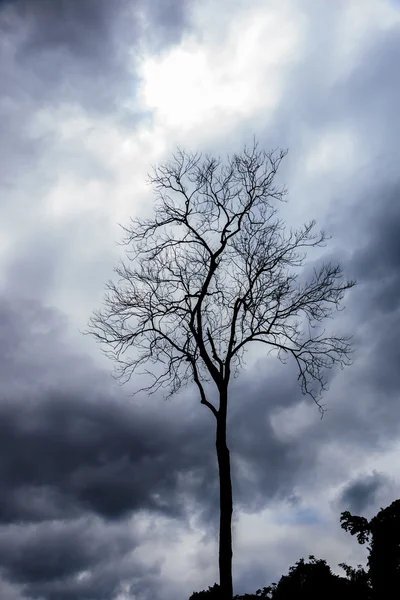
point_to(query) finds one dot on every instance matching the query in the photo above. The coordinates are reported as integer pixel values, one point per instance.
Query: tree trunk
(226, 505)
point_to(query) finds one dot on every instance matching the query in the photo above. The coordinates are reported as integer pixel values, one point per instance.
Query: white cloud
(223, 73)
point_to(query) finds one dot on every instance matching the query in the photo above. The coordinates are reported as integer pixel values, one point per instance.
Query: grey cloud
(87, 443)
(374, 89)
(373, 309)
(68, 55)
(76, 457)
(53, 552)
(377, 261)
(359, 494)
(73, 445)
(359, 208)
(77, 58)
(71, 439)
(85, 457)
(268, 466)
(171, 17)
(80, 452)
(61, 52)
(74, 51)
(70, 560)
(362, 402)
(326, 93)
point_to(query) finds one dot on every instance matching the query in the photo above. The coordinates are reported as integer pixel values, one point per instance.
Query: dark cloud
(72, 51)
(63, 560)
(75, 439)
(78, 58)
(69, 456)
(358, 495)
(53, 552)
(373, 89)
(265, 467)
(59, 61)
(357, 201)
(79, 458)
(75, 454)
(377, 261)
(70, 441)
(75, 459)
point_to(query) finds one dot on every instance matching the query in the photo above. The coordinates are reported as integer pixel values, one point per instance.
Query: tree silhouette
(213, 593)
(310, 580)
(212, 271)
(360, 582)
(383, 533)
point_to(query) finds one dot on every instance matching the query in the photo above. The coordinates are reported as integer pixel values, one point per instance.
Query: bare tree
(213, 270)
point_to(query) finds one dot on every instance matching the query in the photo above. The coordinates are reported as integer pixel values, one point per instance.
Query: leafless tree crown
(213, 270)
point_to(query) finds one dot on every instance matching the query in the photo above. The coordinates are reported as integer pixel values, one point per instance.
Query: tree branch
(213, 270)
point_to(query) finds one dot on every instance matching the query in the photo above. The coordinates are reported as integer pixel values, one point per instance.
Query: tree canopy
(314, 579)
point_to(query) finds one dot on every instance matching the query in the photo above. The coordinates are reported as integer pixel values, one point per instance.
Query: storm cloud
(105, 495)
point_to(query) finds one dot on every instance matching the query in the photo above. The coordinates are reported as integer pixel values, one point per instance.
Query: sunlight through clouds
(198, 82)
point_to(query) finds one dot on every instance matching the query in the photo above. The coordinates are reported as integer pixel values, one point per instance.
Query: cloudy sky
(107, 497)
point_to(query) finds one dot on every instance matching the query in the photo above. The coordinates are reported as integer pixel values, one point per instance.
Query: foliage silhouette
(383, 533)
(360, 581)
(314, 579)
(310, 580)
